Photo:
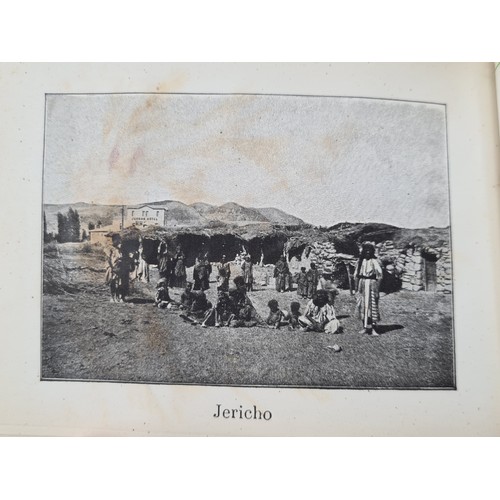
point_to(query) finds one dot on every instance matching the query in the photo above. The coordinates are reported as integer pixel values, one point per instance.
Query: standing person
(201, 274)
(117, 271)
(208, 272)
(143, 266)
(312, 278)
(302, 283)
(163, 261)
(280, 273)
(224, 273)
(226, 266)
(369, 276)
(196, 274)
(179, 279)
(247, 268)
(319, 315)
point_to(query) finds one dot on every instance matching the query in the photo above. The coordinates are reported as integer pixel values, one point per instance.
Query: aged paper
(54, 390)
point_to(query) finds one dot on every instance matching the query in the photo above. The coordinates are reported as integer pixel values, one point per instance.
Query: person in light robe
(369, 276)
(319, 315)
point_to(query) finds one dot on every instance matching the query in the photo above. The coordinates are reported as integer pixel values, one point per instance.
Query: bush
(50, 249)
(93, 248)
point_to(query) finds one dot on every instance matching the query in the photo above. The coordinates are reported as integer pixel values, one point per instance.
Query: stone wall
(408, 264)
(444, 271)
(404, 265)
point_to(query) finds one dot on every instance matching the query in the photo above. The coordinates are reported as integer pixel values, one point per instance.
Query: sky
(323, 159)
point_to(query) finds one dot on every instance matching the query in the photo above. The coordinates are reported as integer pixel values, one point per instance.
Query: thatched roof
(245, 232)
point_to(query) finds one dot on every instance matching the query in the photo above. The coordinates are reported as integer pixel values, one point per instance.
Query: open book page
(250, 249)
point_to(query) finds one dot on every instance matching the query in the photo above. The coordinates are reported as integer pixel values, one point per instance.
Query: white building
(146, 215)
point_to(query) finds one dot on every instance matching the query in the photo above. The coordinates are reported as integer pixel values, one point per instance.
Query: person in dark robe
(163, 261)
(223, 275)
(187, 296)
(280, 274)
(312, 278)
(118, 271)
(226, 266)
(244, 313)
(162, 297)
(302, 283)
(220, 314)
(201, 274)
(199, 307)
(294, 315)
(179, 278)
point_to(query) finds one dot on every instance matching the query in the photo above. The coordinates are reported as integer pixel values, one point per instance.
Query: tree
(62, 228)
(73, 225)
(68, 226)
(91, 226)
(46, 237)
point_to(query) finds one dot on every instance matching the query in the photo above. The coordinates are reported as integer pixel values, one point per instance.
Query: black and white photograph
(247, 240)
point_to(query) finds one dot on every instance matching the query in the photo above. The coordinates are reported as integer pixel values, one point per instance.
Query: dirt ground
(85, 337)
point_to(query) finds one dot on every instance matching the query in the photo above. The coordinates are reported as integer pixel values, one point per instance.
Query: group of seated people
(319, 315)
(235, 309)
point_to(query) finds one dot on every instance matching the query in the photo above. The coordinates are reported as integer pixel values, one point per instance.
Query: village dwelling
(416, 260)
(102, 234)
(421, 267)
(146, 215)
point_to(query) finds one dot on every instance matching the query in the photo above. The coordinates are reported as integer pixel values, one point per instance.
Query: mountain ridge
(181, 214)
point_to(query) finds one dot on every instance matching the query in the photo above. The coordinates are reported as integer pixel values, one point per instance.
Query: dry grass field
(85, 337)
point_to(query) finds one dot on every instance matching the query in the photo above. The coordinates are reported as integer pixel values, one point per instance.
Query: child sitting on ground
(294, 315)
(199, 307)
(220, 314)
(162, 298)
(187, 297)
(276, 317)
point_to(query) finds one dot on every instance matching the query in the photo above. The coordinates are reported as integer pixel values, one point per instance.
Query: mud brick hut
(265, 243)
(421, 267)
(413, 259)
(419, 260)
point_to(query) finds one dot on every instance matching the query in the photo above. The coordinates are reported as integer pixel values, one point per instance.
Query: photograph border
(453, 387)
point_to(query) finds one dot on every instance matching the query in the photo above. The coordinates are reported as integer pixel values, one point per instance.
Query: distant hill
(203, 215)
(234, 213)
(201, 208)
(277, 216)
